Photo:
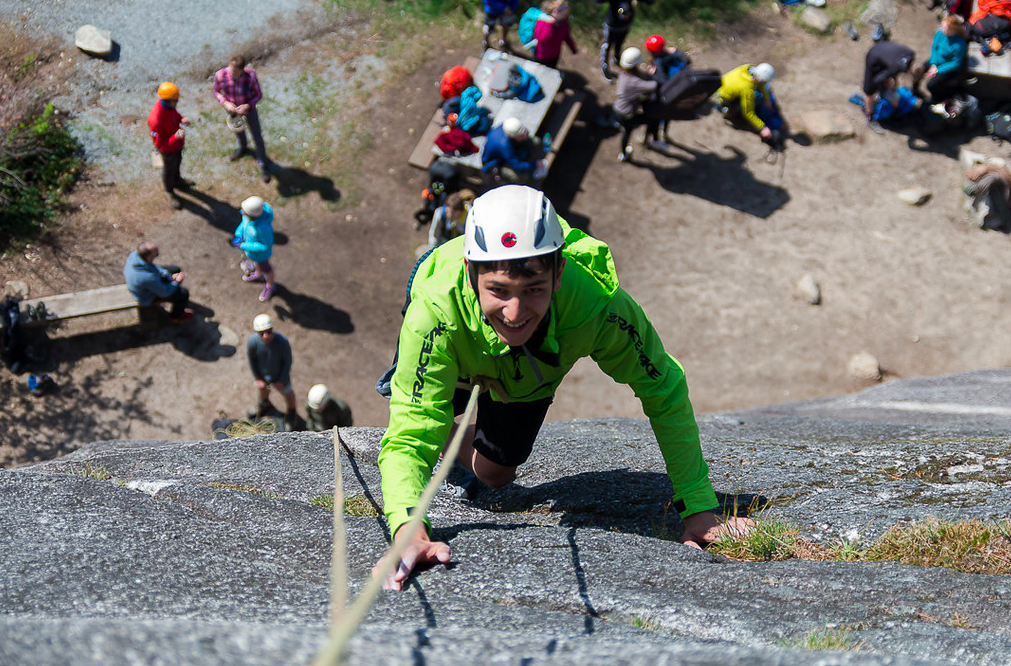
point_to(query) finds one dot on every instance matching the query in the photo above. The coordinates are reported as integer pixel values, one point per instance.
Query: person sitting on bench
(150, 284)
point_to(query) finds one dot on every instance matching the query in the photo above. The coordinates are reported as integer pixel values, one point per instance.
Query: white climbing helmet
(630, 57)
(511, 222)
(318, 395)
(262, 322)
(764, 71)
(513, 127)
(253, 206)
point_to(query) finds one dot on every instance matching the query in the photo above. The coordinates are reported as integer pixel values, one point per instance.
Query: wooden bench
(38, 311)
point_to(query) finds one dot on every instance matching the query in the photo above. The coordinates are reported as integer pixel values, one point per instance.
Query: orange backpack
(455, 81)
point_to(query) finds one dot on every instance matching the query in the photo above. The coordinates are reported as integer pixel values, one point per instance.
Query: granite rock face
(217, 553)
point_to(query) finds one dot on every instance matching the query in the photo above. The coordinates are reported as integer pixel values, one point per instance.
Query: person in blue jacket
(509, 154)
(150, 284)
(502, 13)
(945, 69)
(255, 237)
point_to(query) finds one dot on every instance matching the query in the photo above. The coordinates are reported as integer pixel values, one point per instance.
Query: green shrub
(39, 161)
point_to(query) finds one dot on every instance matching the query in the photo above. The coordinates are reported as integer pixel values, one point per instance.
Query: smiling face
(515, 305)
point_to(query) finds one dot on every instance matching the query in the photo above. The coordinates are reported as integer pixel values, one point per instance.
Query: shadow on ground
(310, 312)
(293, 182)
(200, 338)
(722, 180)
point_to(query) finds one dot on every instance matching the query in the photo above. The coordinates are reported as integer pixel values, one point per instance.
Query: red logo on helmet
(509, 239)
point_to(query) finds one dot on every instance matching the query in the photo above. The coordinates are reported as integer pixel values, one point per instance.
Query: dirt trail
(709, 238)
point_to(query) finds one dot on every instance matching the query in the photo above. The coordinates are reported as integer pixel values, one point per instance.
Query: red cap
(654, 44)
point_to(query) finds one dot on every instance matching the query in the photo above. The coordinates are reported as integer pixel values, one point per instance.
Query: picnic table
(992, 72)
(553, 114)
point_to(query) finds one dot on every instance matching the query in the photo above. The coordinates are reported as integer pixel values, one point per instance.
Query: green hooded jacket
(445, 339)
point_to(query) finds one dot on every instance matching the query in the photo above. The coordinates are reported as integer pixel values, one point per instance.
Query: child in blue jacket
(255, 237)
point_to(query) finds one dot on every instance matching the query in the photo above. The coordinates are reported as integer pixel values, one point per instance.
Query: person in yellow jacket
(744, 92)
(513, 304)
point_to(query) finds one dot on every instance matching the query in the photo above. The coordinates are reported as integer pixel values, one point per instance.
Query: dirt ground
(710, 238)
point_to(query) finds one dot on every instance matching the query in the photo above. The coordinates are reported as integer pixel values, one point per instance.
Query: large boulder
(218, 553)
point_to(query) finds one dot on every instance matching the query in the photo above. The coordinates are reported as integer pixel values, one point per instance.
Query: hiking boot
(261, 409)
(183, 318)
(879, 33)
(606, 71)
(267, 292)
(265, 176)
(625, 155)
(185, 184)
(236, 154)
(289, 421)
(851, 31)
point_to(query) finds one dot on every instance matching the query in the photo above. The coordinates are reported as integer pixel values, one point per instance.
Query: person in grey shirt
(269, 357)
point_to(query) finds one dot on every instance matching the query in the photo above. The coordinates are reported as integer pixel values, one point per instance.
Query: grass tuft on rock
(971, 546)
(827, 639)
(356, 505)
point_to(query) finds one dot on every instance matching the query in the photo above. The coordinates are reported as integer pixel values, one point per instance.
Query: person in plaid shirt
(238, 90)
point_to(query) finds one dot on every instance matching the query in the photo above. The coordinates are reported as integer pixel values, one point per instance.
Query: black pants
(652, 124)
(170, 177)
(943, 86)
(253, 125)
(614, 38)
(179, 299)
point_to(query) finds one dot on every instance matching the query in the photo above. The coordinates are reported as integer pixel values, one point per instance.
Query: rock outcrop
(215, 552)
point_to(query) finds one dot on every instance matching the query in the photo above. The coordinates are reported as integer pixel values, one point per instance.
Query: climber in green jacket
(513, 304)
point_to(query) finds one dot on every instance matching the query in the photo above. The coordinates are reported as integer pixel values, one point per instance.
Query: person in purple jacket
(501, 13)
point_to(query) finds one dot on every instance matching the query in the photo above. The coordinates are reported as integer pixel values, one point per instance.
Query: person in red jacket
(168, 137)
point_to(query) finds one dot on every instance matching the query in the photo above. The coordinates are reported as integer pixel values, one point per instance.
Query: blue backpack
(528, 22)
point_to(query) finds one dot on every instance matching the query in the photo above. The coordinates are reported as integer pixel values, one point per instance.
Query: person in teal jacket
(255, 237)
(513, 304)
(945, 69)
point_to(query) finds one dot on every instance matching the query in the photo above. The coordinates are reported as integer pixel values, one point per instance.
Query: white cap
(513, 126)
(318, 395)
(511, 222)
(764, 71)
(630, 57)
(262, 322)
(253, 206)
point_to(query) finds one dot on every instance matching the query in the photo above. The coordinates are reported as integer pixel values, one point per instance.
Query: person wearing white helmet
(255, 237)
(634, 92)
(512, 306)
(510, 154)
(323, 411)
(745, 93)
(269, 356)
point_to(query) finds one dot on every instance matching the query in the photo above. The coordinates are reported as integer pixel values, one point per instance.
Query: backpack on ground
(455, 81)
(443, 179)
(528, 23)
(998, 126)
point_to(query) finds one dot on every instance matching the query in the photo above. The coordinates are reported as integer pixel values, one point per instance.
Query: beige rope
(338, 559)
(343, 629)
